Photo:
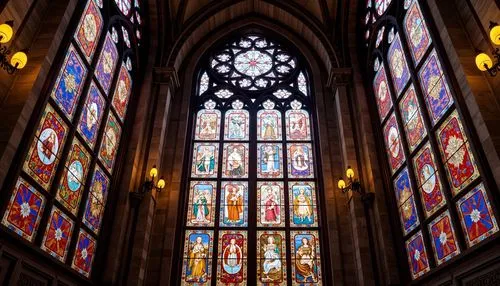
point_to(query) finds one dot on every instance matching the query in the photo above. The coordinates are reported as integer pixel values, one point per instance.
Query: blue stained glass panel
(107, 64)
(398, 65)
(91, 117)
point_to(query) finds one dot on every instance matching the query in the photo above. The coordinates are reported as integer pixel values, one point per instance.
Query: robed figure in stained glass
(302, 207)
(200, 207)
(234, 202)
(232, 257)
(235, 162)
(197, 266)
(269, 127)
(271, 267)
(304, 263)
(205, 161)
(271, 207)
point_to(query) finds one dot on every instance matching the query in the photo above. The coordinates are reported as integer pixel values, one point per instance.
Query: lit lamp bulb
(19, 60)
(349, 172)
(483, 62)
(495, 33)
(341, 183)
(161, 183)
(153, 172)
(6, 32)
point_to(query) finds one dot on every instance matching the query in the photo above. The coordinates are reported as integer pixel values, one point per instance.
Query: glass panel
(201, 205)
(236, 124)
(429, 184)
(207, 125)
(234, 204)
(269, 160)
(417, 256)
(416, 31)
(122, 93)
(96, 200)
(24, 210)
(435, 87)
(381, 6)
(382, 93)
(271, 257)
(297, 125)
(412, 118)
(44, 153)
(393, 144)
(89, 30)
(459, 161)
(302, 197)
(57, 235)
(300, 160)
(406, 203)
(107, 64)
(402, 187)
(69, 83)
(99, 185)
(443, 239)
(232, 259)
(110, 141)
(204, 81)
(398, 66)
(71, 185)
(268, 125)
(92, 113)
(235, 158)
(271, 203)
(198, 247)
(84, 253)
(205, 156)
(306, 263)
(124, 6)
(476, 216)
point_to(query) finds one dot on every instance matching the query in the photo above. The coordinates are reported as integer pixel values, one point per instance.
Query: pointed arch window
(252, 213)
(68, 170)
(443, 203)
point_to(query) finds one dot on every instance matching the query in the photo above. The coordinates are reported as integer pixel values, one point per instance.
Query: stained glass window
(66, 172)
(252, 183)
(124, 6)
(432, 162)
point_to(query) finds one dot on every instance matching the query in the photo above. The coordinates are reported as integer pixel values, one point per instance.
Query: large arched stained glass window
(444, 205)
(68, 169)
(252, 212)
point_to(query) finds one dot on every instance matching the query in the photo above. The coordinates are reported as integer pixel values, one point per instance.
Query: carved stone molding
(339, 77)
(166, 75)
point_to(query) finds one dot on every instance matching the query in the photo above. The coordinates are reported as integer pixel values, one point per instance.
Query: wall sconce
(151, 184)
(483, 60)
(19, 59)
(354, 185)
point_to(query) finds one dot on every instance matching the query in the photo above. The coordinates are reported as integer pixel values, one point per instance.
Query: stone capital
(166, 75)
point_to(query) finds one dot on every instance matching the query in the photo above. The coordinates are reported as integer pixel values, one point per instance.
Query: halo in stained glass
(300, 160)
(205, 160)
(71, 184)
(303, 207)
(444, 241)
(306, 260)
(393, 143)
(269, 160)
(106, 65)
(44, 153)
(236, 124)
(235, 160)
(234, 204)
(297, 125)
(93, 111)
(418, 36)
(460, 164)
(24, 210)
(207, 124)
(269, 124)
(57, 234)
(398, 65)
(89, 30)
(201, 205)
(476, 216)
(197, 263)
(232, 258)
(271, 257)
(84, 253)
(412, 118)
(110, 142)
(417, 255)
(429, 183)
(435, 87)
(271, 204)
(122, 93)
(69, 83)
(124, 6)
(403, 187)
(382, 93)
